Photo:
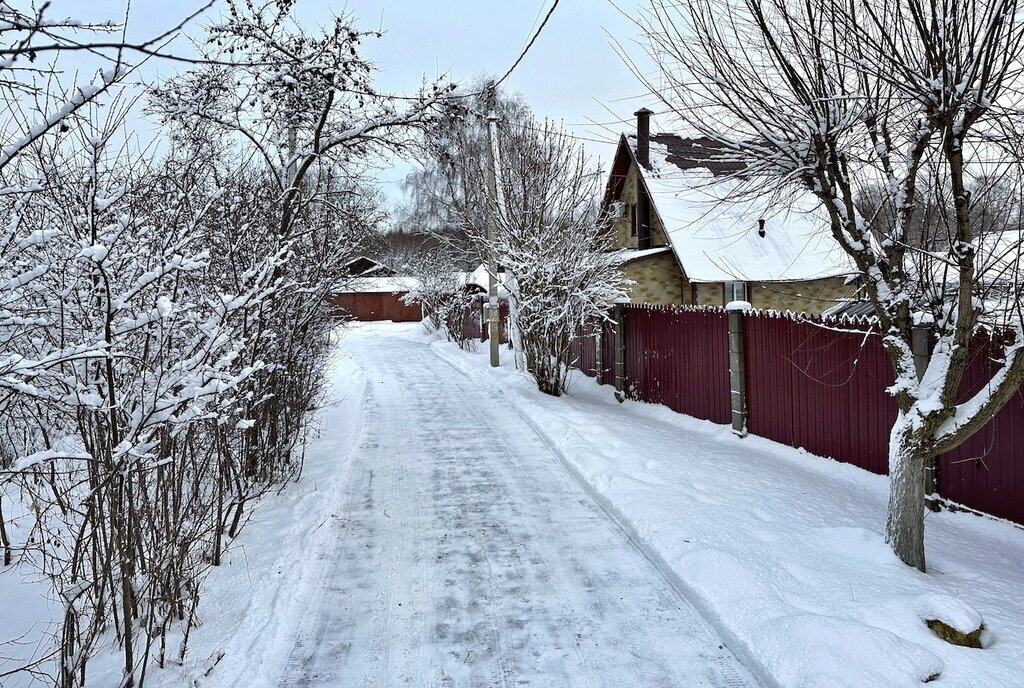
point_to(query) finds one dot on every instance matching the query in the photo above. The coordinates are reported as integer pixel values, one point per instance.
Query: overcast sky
(573, 72)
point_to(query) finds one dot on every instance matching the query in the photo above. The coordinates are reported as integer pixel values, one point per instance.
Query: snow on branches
(165, 322)
(902, 117)
(540, 224)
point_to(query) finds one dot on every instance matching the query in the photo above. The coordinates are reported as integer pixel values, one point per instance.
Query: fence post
(920, 347)
(737, 373)
(598, 352)
(620, 352)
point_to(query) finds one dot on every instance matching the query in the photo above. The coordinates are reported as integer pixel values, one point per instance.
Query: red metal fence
(820, 389)
(583, 350)
(810, 384)
(377, 306)
(987, 471)
(675, 357)
(473, 320)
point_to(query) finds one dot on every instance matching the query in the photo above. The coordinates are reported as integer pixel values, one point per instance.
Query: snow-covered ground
(783, 551)
(456, 528)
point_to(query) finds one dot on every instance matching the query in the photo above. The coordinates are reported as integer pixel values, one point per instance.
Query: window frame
(731, 288)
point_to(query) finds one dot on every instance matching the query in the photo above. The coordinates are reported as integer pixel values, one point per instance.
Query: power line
(563, 132)
(522, 55)
(528, 45)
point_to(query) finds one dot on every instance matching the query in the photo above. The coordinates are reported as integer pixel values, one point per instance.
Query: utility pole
(493, 309)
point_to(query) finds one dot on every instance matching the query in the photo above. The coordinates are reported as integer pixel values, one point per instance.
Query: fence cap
(738, 306)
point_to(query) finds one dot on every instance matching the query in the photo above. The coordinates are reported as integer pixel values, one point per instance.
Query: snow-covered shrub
(553, 243)
(165, 321)
(540, 225)
(441, 291)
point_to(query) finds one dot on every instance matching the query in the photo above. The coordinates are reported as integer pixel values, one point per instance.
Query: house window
(735, 291)
(633, 210)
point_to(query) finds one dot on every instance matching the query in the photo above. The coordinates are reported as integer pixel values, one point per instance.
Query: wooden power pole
(493, 308)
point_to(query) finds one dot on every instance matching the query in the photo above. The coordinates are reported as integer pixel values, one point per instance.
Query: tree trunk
(5, 542)
(904, 528)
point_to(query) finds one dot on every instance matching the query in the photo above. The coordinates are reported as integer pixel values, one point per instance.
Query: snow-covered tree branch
(903, 118)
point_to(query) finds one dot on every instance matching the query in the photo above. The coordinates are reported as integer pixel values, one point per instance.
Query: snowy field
(454, 527)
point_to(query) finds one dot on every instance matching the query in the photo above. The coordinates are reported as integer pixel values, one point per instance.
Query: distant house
(690, 235)
(476, 282)
(376, 292)
(367, 267)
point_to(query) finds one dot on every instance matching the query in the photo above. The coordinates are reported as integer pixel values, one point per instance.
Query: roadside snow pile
(783, 551)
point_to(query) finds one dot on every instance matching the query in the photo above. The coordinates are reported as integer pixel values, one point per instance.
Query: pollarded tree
(917, 105)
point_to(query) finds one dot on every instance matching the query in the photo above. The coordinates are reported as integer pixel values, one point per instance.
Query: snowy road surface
(468, 556)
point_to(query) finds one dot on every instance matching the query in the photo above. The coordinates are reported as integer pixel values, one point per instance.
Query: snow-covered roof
(478, 278)
(633, 255)
(369, 285)
(712, 222)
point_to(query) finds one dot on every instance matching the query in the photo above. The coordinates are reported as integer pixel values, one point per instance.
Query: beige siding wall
(811, 297)
(658, 281)
(710, 294)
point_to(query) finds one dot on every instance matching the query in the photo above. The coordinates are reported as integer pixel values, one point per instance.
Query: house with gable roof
(691, 233)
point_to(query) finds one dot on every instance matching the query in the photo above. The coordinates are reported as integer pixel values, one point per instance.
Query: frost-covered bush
(165, 320)
(540, 224)
(554, 245)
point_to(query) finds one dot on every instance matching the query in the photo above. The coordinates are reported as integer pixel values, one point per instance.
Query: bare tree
(549, 239)
(917, 102)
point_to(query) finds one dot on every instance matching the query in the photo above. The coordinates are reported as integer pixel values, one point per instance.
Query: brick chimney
(643, 137)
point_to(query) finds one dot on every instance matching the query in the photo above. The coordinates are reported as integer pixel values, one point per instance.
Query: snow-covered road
(468, 556)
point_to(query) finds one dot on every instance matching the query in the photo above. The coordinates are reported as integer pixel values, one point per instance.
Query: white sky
(572, 73)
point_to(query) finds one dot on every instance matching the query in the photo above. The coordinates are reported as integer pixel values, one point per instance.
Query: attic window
(632, 219)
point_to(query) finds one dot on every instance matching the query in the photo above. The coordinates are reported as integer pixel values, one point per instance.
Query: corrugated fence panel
(840, 406)
(680, 359)
(637, 333)
(814, 387)
(607, 376)
(987, 471)
(769, 378)
(584, 348)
